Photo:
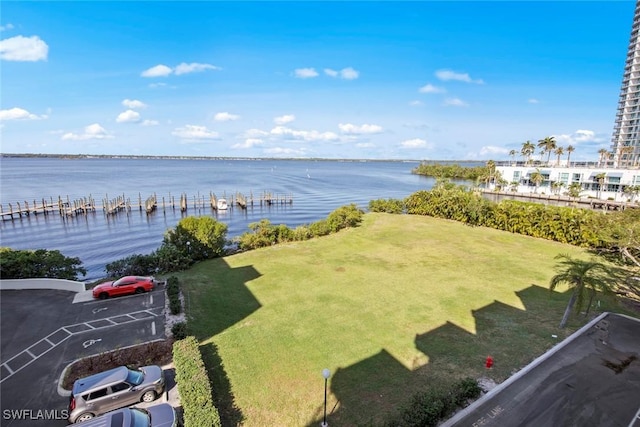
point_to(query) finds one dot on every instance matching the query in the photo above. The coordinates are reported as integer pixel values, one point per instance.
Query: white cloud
(225, 117)
(159, 70)
(9, 26)
(20, 48)
(429, 88)
(351, 129)
(150, 123)
(193, 132)
(155, 85)
(346, 73)
(128, 116)
(248, 143)
(93, 131)
(365, 145)
(16, 113)
(255, 133)
(416, 103)
(283, 120)
(579, 136)
(349, 73)
(455, 102)
(311, 135)
(492, 149)
(193, 67)
(414, 143)
(134, 104)
(305, 73)
(447, 75)
(533, 101)
(330, 72)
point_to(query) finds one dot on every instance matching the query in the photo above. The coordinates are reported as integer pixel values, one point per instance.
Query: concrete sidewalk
(590, 379)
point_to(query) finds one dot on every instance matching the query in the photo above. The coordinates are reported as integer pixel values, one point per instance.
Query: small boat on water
(222, 204)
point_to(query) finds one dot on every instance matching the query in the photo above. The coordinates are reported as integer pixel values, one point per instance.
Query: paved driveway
(591, 380)
(42, 332)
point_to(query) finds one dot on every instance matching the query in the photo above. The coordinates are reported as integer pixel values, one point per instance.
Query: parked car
(162, 415)
(113, 389)
(124, 286)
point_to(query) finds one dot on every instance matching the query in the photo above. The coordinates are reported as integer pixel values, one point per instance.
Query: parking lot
(43, 331)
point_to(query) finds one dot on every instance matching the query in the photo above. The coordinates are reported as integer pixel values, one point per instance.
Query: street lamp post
(326, 374)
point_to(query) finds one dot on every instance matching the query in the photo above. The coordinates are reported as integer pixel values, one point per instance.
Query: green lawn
(400, 304)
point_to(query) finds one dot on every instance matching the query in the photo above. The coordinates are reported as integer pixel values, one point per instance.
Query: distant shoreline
(150, 157)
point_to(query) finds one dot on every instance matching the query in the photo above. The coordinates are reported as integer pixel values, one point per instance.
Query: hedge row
(429, 408)
(173, 292)
(264, 233)
(193, 385)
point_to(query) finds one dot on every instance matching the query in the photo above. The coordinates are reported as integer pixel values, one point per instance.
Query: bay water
(317, 187)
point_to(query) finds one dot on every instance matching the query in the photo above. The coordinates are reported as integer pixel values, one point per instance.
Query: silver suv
(162, 415)
(113, 389)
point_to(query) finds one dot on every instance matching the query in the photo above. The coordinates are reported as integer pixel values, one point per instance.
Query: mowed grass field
(398, 305)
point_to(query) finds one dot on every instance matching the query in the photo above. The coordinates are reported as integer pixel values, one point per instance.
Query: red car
(124, 286)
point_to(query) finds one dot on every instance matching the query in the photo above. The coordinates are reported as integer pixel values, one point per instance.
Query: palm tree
(600, 178)
(548, 144)
(570, 149)
(581, 277)
(574, 190)
(603, 153)
(559, 152)
(537, 179)
(631, 191)
(627, 149)
(512, 154)
(556, 186)
(527, 151)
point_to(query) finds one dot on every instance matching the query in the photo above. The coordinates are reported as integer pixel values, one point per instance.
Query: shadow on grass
(223, 398)
(223, 301)
(371, 391)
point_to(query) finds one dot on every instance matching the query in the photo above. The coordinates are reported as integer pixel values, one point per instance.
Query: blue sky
(379, 80)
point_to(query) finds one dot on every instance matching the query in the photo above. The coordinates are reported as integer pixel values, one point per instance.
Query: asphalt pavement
(591, 379)
(42, 332)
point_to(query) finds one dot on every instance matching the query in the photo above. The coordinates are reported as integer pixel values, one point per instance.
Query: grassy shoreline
(397, 305)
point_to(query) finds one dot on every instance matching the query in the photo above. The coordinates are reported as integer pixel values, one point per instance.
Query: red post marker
(489, 362)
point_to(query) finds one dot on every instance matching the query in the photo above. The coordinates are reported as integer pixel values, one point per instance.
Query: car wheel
(139, 290)
(103, 295)
(149, 396)
(84, 417)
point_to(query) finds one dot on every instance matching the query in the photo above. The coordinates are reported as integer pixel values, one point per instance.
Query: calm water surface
(317, 187)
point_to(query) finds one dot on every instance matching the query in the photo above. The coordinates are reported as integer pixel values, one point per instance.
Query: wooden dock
(65, 207)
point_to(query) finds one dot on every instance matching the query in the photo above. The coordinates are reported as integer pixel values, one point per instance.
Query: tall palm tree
(582, 277)
(527, 151)
(603, 153)
(548, 144)
(600, 178)
(537, 179)
(624, 151)
(559, 152)
(574, 190)
(513, 154)
(570, 149)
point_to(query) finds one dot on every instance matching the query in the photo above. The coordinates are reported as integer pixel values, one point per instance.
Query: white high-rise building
(625, 143)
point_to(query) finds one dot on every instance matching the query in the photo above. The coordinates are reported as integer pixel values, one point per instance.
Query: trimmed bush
(193, 385)
(173, 292)
(429, 408)
(179, 330)
(175, 306)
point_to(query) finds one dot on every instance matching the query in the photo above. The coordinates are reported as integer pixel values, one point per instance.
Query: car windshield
(120, 281)
(135, 377)
(140, 418)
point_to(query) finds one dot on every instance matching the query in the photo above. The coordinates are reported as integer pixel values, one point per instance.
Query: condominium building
(625, 147)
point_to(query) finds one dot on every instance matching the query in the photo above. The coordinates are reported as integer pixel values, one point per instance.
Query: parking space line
(69, 334)
(636, 417)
